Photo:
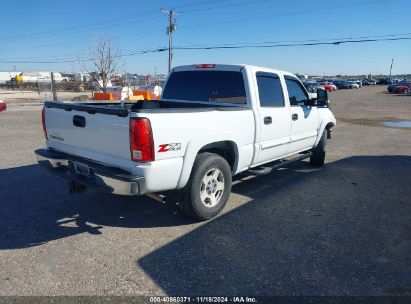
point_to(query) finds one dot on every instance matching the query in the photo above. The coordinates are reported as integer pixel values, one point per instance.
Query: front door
(304, 119)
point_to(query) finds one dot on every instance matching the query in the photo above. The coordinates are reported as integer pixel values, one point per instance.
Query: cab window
(269, 90)
(296, 92)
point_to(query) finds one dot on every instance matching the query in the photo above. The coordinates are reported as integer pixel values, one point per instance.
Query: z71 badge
(169, 147)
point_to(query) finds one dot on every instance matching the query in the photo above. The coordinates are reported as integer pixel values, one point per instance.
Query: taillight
(141, 140)
(43, 121)
(205, 66)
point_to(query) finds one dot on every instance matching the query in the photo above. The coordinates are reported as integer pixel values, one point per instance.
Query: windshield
(206, 86)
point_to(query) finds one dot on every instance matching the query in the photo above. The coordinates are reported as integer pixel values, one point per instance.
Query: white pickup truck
(212, 122)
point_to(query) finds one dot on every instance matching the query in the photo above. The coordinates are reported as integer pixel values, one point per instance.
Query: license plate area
(82, 169)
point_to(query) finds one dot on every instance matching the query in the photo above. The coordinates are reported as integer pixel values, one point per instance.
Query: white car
(354, 85)
(213, 122)
(358, 82)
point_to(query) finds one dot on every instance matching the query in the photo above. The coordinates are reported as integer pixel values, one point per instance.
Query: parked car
(145, 147)
(359, 82)
(392, 87)
(384, 81)
(342, 84)
(368, 82)
(3, 106)
(328, 86)
(402, 88)
(353, 85)
(313, 87)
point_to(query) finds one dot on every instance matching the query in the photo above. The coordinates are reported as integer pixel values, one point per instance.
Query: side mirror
(322, 98)
(312, 102)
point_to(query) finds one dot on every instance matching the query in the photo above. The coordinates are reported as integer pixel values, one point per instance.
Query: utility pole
(170, 29)
(392, 62)
(53, 87)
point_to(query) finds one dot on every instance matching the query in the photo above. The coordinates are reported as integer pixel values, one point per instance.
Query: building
(33, 77)
(7, 76)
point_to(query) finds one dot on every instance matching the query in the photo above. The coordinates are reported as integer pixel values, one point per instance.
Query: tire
(317, 159)
(208, 188)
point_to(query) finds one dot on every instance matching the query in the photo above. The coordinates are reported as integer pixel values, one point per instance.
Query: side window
(270, 90)
(296, 92)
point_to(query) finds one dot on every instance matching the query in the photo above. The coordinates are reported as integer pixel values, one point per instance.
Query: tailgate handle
(79, 121)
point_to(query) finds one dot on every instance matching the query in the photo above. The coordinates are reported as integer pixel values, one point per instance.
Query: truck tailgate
(98, 133)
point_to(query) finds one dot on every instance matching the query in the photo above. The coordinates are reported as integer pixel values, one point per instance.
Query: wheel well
(329, 127)
(226, 149)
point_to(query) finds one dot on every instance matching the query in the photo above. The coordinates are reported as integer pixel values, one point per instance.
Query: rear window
(206, 86)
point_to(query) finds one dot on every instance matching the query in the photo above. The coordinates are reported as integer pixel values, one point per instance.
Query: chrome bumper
(89, 173)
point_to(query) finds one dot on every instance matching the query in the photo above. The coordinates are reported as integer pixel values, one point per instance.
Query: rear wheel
(208, 188)
(318, 157)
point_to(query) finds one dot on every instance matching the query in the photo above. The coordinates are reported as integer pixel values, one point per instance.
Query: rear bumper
(89, 173)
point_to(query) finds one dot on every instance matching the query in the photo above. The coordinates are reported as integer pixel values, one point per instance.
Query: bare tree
(103, 61)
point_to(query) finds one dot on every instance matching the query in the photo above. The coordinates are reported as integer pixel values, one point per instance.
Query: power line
(224, 22)
(76, 29)
(111, 22)
(133, 51)
(121, 22)
(216, 47)
(299, 41)
(226, 5)
(285, 14)
(338, 42)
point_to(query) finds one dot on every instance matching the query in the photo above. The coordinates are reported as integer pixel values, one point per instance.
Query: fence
(65, 90)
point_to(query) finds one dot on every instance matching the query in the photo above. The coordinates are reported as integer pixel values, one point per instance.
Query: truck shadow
(35, 207)
(342, 230)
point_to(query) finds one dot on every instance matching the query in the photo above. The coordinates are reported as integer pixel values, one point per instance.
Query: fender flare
(192, 150)
(324, 124)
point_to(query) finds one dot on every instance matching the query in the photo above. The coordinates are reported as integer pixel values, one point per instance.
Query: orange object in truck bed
(102, 96)
(146, 94)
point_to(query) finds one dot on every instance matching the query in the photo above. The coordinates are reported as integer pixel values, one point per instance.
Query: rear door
(304, 119)
(275, 118)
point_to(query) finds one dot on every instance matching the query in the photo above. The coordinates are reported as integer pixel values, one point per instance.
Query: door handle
(294, 117)
(268, 120)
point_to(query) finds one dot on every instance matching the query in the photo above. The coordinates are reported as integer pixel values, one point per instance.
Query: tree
(103, 61)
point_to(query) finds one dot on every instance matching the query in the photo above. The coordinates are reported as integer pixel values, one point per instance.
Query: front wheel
(208, 188)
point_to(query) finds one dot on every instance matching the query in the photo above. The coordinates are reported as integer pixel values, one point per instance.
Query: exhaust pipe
(75, 187)
(157, 197)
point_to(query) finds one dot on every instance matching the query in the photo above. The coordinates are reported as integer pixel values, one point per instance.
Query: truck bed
(104, 134)
(123, 109)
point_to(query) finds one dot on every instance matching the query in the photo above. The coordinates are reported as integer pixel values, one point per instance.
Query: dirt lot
(341, 230)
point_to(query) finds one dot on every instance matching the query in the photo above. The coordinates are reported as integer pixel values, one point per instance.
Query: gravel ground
(344, 229)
